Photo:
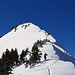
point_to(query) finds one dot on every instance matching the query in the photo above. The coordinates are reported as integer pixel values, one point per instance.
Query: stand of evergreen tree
(8, 60)
(39, 43)
(35, 56)
(11, 58)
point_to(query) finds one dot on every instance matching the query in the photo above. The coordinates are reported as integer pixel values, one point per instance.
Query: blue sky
(55, 16)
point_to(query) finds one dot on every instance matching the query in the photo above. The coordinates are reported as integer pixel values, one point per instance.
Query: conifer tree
(5, 63)
(34, 56)
(6, 68)
(7, 54)
(23, 55)
(16, 56)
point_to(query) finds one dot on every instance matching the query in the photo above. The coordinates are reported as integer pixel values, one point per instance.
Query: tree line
(11, 58)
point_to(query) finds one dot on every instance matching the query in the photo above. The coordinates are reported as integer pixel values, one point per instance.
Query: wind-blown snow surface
(59, 61)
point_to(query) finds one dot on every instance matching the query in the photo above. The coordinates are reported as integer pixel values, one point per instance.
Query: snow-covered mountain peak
(24, 36)
(25, 26)
(28, 29)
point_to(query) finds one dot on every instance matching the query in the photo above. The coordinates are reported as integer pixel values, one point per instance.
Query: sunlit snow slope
(25, 35)
(59, 61)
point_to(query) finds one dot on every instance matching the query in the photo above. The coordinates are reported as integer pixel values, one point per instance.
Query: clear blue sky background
(54, 16)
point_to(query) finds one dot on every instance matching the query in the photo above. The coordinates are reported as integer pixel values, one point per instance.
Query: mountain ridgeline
(26, 44)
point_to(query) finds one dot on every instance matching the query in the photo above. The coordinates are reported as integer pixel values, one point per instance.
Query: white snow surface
(51, 67)
(23, 38)
(59, 61)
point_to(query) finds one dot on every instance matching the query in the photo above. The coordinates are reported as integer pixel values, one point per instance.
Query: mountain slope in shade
(59, 61)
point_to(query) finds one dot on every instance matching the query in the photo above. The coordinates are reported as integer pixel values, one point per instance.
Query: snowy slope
(51, 67)
(23, 38)
(59, 61)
